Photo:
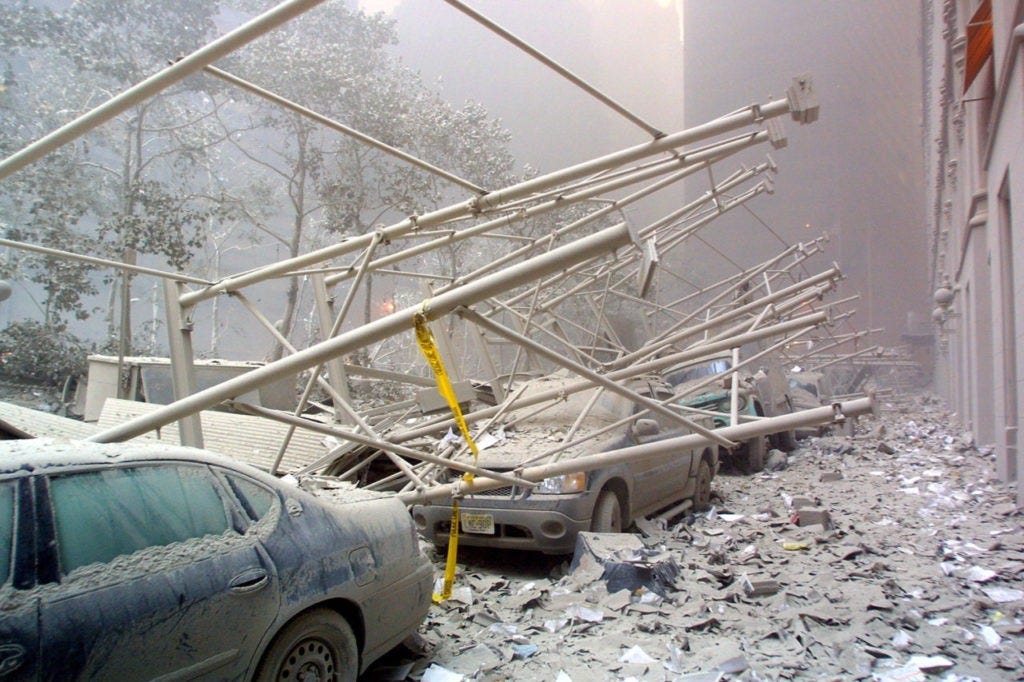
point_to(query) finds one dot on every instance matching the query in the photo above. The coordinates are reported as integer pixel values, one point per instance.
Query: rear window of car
(102, 514)
(6, 529)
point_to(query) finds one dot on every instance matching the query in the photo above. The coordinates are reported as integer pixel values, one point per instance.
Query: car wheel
(607, 517)
(702, 491)
(318, 645)
(754, 459)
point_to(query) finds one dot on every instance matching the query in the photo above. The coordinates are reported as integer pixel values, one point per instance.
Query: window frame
(224, 476)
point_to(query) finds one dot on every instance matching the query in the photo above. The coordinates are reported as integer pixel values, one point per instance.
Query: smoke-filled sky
(856, 174)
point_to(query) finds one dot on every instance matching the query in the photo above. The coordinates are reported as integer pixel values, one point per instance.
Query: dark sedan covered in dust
(138, 562)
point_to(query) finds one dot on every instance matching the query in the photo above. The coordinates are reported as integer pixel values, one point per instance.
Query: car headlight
(557, 485)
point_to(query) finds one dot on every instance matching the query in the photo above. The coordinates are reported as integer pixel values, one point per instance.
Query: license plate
(482, 524)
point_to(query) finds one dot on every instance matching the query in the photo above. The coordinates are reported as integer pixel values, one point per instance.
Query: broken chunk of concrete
(758, 588)
(437, 673)
(626, 563)
(478, 659)
(930, 664)
(801, 501)
(636, 655)
(812, 516)
(1002, 595)
(777, 461)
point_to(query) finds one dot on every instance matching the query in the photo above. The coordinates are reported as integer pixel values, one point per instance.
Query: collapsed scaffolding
(522, 299)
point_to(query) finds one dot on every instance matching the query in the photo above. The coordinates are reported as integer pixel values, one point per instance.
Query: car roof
(38, 454)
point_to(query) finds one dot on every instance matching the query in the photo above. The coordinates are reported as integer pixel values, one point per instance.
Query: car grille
(507, 491)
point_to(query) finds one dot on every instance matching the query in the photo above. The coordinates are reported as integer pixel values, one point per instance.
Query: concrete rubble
(849, 563)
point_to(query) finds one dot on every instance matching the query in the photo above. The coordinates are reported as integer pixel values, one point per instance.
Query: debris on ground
(855, 561)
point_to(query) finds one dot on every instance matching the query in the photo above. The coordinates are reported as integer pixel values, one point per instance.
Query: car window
(255, 499)
(103, 514)
(6, 529)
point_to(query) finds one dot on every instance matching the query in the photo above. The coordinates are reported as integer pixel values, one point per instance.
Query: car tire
(786, 440)
(702, 490)
(753, 460)
(607, 516)
(318, 641)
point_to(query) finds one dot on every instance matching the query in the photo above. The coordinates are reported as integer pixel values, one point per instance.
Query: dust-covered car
(549, 516)
(759, 395)
(808, 390)
(131, 562)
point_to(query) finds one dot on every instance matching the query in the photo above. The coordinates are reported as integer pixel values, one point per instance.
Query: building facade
(974, 127)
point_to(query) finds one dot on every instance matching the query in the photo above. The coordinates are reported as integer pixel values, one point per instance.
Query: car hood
(507, 450)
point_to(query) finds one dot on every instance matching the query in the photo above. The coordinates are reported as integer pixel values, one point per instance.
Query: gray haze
(856, 174)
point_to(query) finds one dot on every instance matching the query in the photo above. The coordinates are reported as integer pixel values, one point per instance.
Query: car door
(662, 479)
(156, 578)
(19, 636)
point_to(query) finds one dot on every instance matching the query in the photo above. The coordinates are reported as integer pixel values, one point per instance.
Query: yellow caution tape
(453, 550)
(425, 340)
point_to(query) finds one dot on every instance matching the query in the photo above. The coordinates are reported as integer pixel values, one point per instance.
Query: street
(893, 553)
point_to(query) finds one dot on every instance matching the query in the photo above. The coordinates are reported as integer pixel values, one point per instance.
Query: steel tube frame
(739, 432)
(732, 285)
(835, 344)
(689, 164)
(777, 311)
(588, 373)
(668, 339)
(583, 249)
(300, 423)
(746, 116)
(650, 366)
(105, 262)
(672, 402)
(871, 349)
(547, 305)
(652, 231)
(746, 275)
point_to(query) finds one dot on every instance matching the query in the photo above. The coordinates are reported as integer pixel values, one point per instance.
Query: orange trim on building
(979, 42)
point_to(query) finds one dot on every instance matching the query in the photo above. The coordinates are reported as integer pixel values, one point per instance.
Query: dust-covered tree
(335, 60)
(129, 189)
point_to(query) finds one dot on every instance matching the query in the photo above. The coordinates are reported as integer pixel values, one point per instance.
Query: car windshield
(562, 423)
(606, 407)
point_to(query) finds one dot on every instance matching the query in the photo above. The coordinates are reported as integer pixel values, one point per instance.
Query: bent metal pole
(669, 446)
(593, 246)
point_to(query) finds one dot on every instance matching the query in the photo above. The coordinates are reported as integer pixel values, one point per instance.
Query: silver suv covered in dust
(549, 516)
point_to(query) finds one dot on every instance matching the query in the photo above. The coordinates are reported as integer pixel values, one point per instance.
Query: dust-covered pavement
(894, 553)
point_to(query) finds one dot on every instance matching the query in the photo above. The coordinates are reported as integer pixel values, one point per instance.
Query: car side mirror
(645, 427)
